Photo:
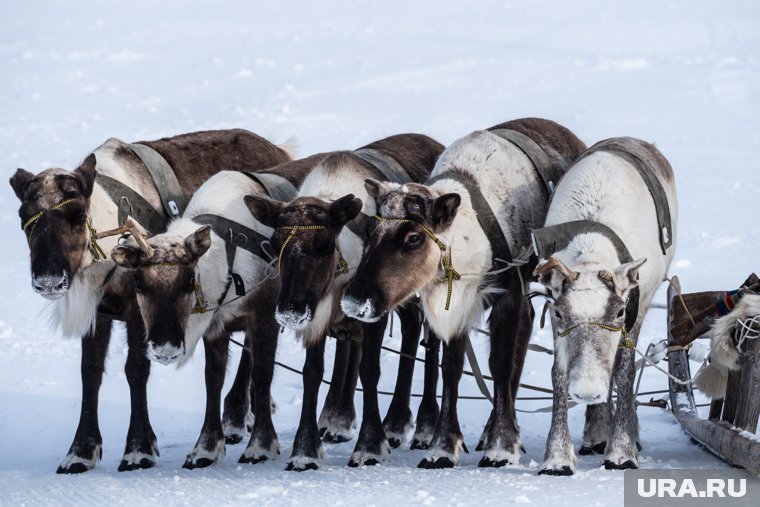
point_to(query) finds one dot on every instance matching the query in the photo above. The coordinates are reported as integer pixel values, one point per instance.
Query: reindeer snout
(293, 315)
(51, 286)
(360, 309)
(166, 353)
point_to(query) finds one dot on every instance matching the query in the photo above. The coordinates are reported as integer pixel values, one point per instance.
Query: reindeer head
(305, 235)
(53, 214)
(588, 317)
(163, 273)
(401, 253)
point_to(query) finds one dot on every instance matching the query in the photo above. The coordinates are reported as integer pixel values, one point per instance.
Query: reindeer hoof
(128, 466)
(597, 448)
(419, 444)
(489, 463)
(198, 463)
(292, 467)
(334, 438)
(253, 460)
(443, 462)
(370, 462)
(565, 470)
(626, 465)
(394, 443)
(74, 468)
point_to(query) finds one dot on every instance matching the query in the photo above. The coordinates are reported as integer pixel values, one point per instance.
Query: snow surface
(338, 75)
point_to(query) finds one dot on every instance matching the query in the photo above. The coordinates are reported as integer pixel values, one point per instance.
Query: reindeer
(444, 240)
(61, 212)
(609, 242)
(319, 237)
(206, 277)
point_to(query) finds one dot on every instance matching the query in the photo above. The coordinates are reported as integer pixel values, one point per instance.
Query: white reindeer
(591, 286)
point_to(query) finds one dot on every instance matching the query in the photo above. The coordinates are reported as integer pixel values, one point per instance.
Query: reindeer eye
(137, 283)
(558, 315)
(81, 218)
(414, 240)
(191, 283)
(621, 313)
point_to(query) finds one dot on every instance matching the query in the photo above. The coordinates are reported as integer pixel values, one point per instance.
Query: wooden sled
(729, 429)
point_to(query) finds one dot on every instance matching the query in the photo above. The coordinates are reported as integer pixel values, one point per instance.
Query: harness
(551, 239)
(549, 171)
(626, 343)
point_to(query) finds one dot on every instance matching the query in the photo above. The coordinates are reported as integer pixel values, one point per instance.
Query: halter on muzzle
(451, 273)
(625, 344)
(95, 249)
(342, 268)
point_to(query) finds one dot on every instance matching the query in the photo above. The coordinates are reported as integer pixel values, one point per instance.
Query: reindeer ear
(263, 209)
(198, 242)
(627, 277)
(19, 180)
(344, 210)
(373, 188)
(126, 256)
(85, 173)
(445, 209)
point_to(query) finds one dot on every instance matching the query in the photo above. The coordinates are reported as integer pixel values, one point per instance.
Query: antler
(133, 227)
(554, 263)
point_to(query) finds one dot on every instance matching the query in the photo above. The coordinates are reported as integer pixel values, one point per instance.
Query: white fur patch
(214, 455)
(512, 456)
(363, 457)
(72, 459)
(257, 451)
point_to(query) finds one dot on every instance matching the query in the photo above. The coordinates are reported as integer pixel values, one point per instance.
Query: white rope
(747, 331)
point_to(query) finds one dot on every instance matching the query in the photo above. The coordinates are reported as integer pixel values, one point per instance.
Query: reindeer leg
(509, 344)
(141, 450)
(372, 444)
(237, 418)
(559, 457)
(428, 411)
(447, 438)
(621, 452)
(210, 446)
(398, 421)
(334, 426)
(307, 448)
(596, 430)
(86, 449)
(263, 445)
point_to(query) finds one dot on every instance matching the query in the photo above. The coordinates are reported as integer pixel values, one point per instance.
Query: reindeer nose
(50, 286)
(358, 309)
(164, 354)
(591, 399)
(293, 314)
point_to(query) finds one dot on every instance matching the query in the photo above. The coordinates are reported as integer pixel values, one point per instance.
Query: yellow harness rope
(342, 268)
(626, 343)
(95, 249)
(451, 273)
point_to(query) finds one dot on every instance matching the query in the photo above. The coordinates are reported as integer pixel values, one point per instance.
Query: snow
(339, 74)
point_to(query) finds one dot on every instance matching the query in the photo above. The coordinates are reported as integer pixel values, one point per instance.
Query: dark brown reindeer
(60, 213)
(444, 241)
(319, 237)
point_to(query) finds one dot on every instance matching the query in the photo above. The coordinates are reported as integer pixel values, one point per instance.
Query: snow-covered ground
(335, 75)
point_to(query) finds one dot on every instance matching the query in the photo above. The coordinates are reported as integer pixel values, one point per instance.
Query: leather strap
(549, 240)
(391, 169)
(167, 184)
(235, 235)
(549, 172)
(486, 218)
(276, 186)
(130, 203)
(658, 194)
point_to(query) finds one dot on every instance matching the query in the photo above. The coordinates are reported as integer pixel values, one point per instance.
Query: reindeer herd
(195, 237)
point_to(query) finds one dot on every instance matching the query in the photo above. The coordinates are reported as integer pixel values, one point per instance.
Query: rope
(95, 249)
(446, 263)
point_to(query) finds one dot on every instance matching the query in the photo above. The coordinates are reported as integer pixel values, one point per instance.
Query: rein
(625, 344)
(451, 273)
(95, 249)
(342, 268)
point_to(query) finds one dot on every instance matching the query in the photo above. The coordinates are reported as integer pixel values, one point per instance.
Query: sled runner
(731, 377)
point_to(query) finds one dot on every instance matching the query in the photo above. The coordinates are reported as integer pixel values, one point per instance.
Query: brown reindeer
(61, 211)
